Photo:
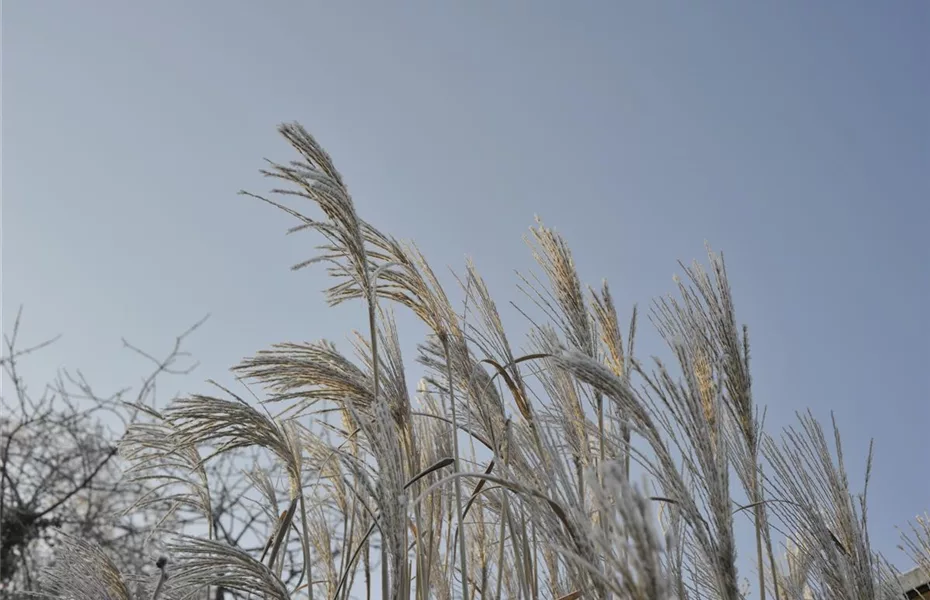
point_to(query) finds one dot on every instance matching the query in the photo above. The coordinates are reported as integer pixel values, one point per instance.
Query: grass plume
(544, 442)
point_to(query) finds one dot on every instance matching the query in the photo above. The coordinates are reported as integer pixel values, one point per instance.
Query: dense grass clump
(571, 469)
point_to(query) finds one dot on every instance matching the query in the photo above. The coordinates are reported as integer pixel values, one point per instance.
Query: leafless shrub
(59, 464)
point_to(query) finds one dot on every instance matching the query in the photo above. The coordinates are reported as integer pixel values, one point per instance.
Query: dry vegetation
(571, 469)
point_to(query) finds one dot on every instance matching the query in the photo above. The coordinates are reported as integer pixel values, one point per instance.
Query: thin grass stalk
(349, 520)
(162, 578)
(771, 553)
(385, 583)
(534, 562)
(463, 562)
(348, 530)
(504, 509)
(367, 571)
(348, 524)
(599, 400)
(519, 555)
(627, 372)
(305, 542)
(418, 552)
(482, 588)
(405, 590)
(579, 473)
(373, 333)
(759, 550)
(423, 578)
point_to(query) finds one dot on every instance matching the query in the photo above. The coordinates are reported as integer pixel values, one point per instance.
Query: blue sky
(793, 136)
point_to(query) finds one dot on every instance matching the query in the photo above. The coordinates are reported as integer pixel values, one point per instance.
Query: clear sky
(794, 136)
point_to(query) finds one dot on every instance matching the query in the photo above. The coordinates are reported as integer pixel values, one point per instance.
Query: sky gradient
(795, 137)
